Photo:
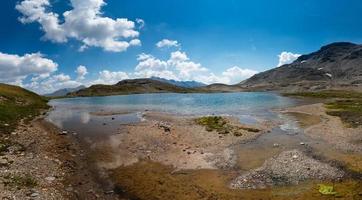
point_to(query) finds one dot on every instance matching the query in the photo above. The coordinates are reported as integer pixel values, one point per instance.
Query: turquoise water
(74, 113)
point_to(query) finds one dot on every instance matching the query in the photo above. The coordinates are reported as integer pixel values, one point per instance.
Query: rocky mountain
(185, 84)
(132, 86)
(64, 91)
(334, 66)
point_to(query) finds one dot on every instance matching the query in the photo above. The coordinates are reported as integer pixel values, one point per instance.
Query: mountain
(185, 84)
(132, 86)
(334, 66)
(64, 91)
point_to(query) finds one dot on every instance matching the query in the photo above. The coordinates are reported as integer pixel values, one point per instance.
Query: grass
(20, 181)
(345, 104)
(222, 126)
(16, 104)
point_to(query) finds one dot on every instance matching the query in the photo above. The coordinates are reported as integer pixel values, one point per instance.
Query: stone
(50, 178)
(3, 161)
(302, 143)
(63, 133)
(35, 194)
(276, 145)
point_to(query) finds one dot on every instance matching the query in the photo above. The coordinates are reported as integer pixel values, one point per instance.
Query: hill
(17, 103)
(334, 66)
(64, 91)
(185, 84)
(132, 86)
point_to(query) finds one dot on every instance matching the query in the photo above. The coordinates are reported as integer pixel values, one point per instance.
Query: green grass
(222, 126)
(20, 181)
(16, 104)
(345, 104)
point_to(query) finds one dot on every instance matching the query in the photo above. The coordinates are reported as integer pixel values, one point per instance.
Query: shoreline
(78, 172)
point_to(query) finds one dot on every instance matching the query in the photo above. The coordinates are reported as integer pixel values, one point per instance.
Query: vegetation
(326, 189)
(20, 181)
(345, 104)
(16, 104)
(222, 126)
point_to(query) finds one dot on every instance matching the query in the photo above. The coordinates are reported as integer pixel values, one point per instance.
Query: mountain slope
(17, 103)
(131, 86)
(185, 84)
(333, 66)
(64, 91)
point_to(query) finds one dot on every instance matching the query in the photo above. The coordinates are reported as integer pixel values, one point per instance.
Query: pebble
(63, 133)
(294, 156)
(3, 161)
(69, 189)
(6, 124)
(276, 145)
(50, 178)
(302, 143)
(35, 194)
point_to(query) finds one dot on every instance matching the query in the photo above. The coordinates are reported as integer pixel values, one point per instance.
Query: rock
(35, 194)
(276, 145)
(69, 189)
(63, 133)
(165, 126)
(3, 162)
(295, 156)
(302, 143)
(6, 124)
(50, 178)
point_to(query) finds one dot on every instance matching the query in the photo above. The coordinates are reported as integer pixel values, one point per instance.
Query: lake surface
(75, 114)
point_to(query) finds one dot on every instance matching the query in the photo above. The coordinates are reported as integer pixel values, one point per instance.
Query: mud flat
(176, 141)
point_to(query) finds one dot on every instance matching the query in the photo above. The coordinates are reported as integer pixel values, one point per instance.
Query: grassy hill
(132, 86)
(16, 104)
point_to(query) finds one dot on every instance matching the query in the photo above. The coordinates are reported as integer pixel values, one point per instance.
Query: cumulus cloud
(52, 83)
(287, 57)
(167, 43)
(109, 77)
(84, 23)
(15, 68)
(81, 72)
(178, 66)
(236, 74)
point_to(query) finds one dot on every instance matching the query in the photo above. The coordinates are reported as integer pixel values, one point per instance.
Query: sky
(46, 45)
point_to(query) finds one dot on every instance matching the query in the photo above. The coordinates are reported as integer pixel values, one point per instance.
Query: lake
(75, 114)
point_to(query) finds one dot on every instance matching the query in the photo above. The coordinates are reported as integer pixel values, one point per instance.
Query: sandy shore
(330, 129)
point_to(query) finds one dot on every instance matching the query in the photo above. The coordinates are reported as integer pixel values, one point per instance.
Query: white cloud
(15, 68)
(81, 72)
(84, 23)
(178, 67)
(52, 83)
(167, 43)
(286, 58)
(109, 77)
(141, 23)
(236, 74)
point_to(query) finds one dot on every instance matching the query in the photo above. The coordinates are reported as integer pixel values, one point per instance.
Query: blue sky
(217, 41)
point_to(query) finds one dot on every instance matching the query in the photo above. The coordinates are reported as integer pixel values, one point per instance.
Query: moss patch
(222, 126)
(20, 181)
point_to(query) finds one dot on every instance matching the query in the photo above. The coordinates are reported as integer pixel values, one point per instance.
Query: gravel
(289, 167)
